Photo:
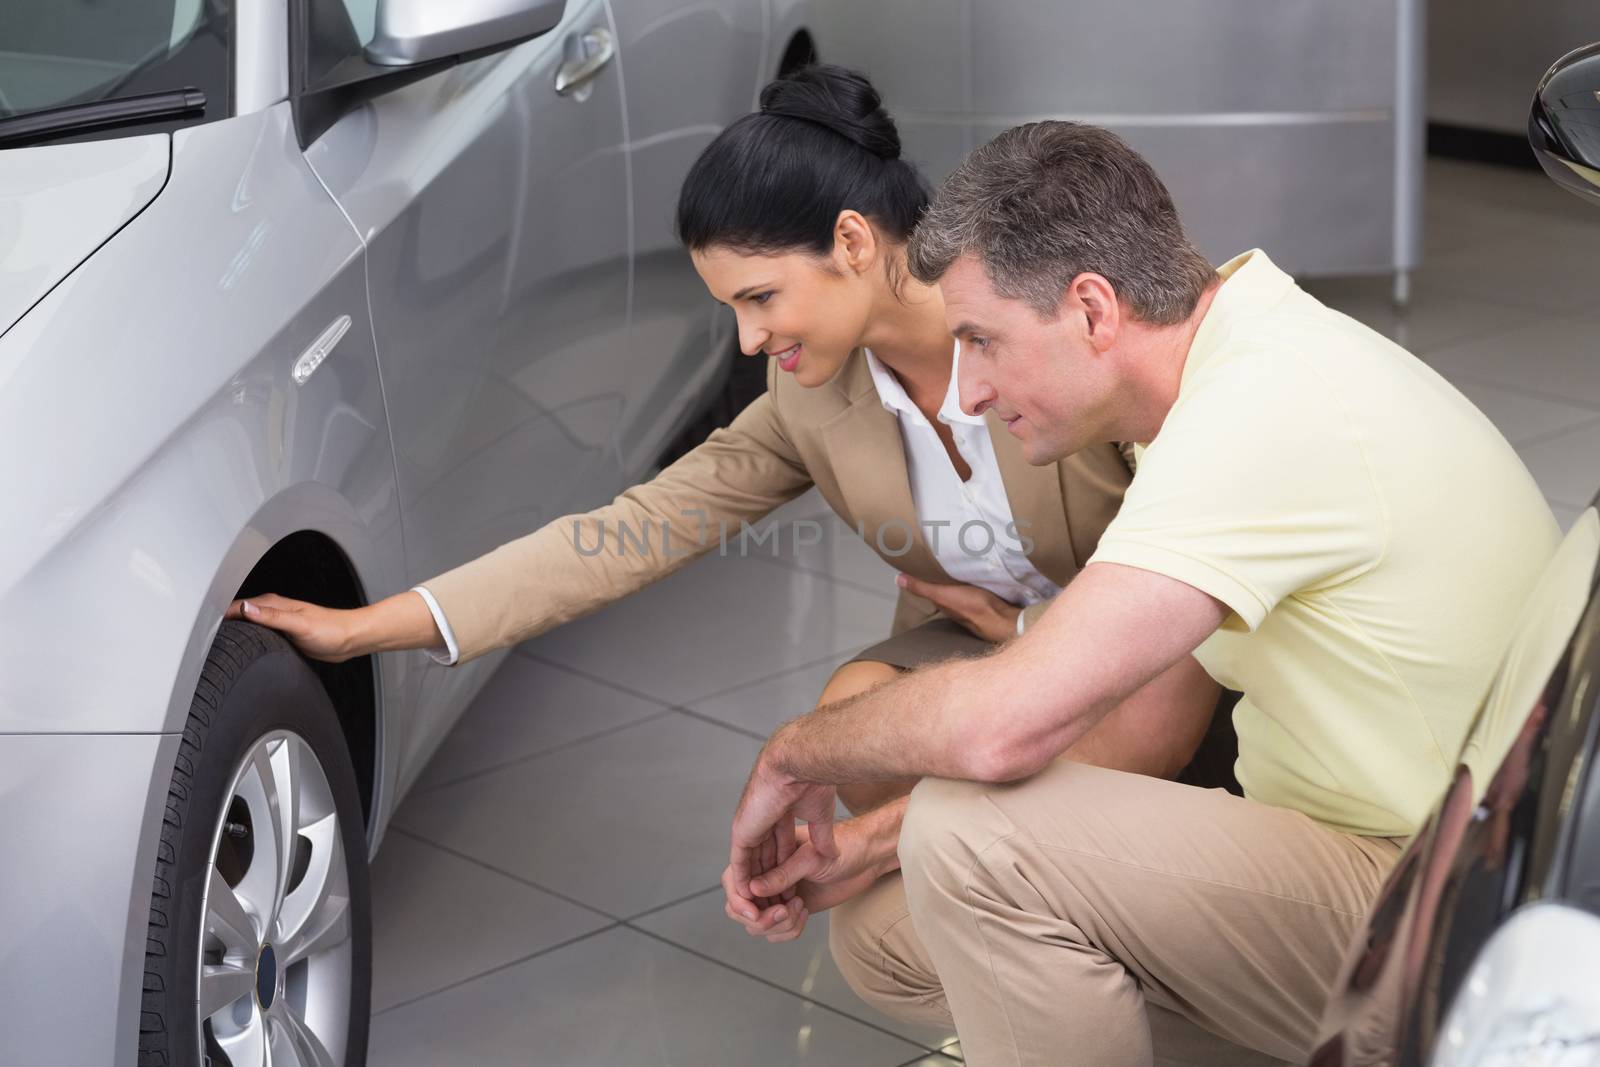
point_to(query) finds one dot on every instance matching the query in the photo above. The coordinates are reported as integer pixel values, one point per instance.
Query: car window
(332, 34)
(59, 53)
(363, 16)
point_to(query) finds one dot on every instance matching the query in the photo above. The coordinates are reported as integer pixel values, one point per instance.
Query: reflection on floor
(546, 895)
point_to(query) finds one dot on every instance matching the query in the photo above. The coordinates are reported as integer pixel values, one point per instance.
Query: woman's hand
(817, 883)
(980, 611)
(327, 634)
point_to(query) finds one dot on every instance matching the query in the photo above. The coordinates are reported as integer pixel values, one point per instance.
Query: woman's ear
(855, 243)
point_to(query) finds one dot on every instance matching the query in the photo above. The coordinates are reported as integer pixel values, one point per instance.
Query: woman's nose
(752, 339)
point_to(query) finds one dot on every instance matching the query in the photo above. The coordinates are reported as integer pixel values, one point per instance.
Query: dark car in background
(1483, 948)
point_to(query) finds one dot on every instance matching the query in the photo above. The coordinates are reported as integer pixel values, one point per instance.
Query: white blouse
(967, 525)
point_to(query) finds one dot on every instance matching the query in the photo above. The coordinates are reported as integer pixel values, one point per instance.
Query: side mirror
(408, 32)
(1564, 125)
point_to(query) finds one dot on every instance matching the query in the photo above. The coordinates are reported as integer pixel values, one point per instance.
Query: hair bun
(838, 99)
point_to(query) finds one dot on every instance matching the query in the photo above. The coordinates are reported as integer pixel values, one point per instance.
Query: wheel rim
(274, 971)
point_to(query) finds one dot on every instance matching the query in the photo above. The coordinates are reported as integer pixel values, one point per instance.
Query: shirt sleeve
(1256, 488)
(452, 651)
(579, 563)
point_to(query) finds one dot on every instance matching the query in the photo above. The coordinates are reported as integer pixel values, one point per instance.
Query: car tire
(260, 926)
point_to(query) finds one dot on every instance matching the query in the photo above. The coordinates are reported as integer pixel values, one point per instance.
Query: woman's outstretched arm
(575, 564)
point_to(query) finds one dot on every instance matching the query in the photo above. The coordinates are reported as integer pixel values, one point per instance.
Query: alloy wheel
(274, 975)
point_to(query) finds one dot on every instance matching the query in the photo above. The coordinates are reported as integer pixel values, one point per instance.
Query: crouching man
(1318, 518)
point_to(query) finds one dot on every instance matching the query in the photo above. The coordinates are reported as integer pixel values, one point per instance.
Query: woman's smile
(788, 358)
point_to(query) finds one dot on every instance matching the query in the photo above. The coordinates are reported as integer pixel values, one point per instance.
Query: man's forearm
(883, 826)
(904, 729)
(862, 797)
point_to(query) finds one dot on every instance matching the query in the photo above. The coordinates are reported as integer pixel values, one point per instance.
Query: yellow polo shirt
(1371, 531)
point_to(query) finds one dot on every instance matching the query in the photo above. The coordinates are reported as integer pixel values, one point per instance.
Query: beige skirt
(930, 642)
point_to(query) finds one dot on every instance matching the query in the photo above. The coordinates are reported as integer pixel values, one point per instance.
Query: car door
(690, 68)
(495, 213)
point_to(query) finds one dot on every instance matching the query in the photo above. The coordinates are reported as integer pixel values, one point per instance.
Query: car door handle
(593, 51)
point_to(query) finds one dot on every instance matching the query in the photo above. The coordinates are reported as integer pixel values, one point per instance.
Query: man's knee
(944, 822)
(952, 827)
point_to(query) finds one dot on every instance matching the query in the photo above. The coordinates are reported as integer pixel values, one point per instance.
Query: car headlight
(1532, 998)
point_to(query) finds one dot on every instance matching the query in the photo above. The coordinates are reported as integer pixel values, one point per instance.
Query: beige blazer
(837, 437)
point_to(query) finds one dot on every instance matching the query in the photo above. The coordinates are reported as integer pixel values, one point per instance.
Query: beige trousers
(1060, 919)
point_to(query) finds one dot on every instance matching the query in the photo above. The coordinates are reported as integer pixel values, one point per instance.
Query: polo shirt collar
(1251, 282)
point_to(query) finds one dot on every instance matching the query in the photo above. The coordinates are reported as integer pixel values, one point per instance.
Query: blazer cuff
(451, 652)
(1031, 614)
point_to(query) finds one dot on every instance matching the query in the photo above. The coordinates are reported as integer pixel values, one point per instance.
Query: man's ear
(1092, 297)
(855, 243)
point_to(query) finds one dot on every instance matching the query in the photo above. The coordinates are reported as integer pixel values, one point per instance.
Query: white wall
(1486, 56)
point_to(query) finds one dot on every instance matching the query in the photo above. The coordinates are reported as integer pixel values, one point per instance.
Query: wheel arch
(309, 565)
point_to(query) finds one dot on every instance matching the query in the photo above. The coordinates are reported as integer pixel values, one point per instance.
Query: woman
(797, 216)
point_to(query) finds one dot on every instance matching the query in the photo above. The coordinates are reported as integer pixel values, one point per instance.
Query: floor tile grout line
(672, 903)
(1420, 351)
(663, 907)
(782, 989)
(730, 690)
(942, 1055)
(563, 746)
(1478, 378)
(710, 721)
(671, 705)
(1526, 316)
(585, 675)
(1446, 287)
(413, 835)
(1550, 435)
(1475, 378)
(498, 968)
(628, 925)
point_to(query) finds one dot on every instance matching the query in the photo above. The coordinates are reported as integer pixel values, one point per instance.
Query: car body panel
(673, 112)
(58, 203)
(501, 324)
(166, 446)
(129, 535)
(76, 892)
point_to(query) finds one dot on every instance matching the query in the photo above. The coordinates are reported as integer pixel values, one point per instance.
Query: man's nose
(752, 339)
(974, 391)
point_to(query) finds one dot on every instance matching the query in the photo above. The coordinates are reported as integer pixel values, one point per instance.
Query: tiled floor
(546, 895)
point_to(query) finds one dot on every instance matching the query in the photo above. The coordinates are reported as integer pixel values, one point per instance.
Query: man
(1320, 519)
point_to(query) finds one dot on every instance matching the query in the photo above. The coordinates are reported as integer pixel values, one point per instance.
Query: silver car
(320, 297)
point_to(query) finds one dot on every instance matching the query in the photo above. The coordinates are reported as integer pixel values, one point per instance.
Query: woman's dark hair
(775, 180)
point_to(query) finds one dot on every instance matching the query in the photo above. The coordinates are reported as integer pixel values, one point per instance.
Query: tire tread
(236, 646)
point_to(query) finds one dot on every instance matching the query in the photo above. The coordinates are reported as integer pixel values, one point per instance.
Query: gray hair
(1043, 203)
